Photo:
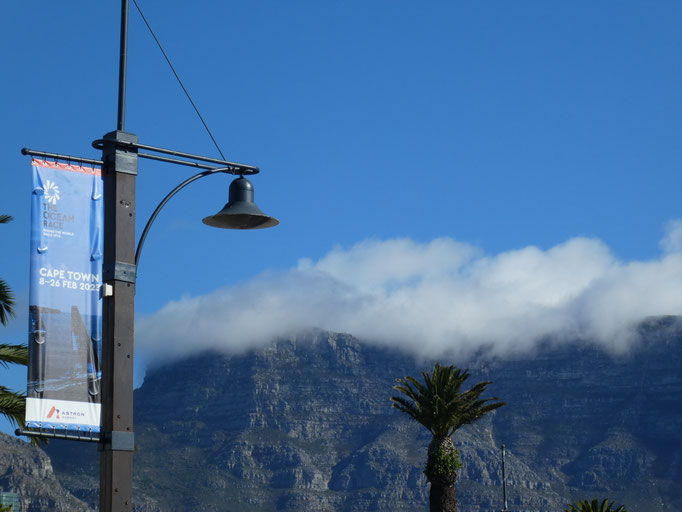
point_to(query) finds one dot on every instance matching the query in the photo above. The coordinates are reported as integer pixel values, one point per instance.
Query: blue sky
(506, 129)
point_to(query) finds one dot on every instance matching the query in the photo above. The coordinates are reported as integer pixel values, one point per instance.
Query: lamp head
(240, 212)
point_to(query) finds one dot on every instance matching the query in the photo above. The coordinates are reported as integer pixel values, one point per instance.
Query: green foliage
(439, 403)
(6, 303)
(12, 404)
(14, 354)
(8, 508)
(6, 295)
(594, 506)
(442, 464)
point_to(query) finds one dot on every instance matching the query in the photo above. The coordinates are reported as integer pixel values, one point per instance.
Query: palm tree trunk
(442, 498)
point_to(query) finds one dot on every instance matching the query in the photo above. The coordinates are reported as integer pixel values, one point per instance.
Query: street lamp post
(120, 153)
(118, 309)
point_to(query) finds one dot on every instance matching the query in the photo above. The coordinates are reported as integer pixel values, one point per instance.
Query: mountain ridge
(306, 424)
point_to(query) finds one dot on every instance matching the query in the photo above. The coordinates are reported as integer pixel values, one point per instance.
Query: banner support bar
(92, 437)
(229, 167)
(57, 156)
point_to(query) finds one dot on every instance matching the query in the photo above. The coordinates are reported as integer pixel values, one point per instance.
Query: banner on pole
(65, 304)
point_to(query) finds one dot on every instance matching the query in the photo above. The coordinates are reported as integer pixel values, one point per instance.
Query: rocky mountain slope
(306, 424)
(28, 471)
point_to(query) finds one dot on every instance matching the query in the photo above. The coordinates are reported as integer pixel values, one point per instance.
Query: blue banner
(65, 305)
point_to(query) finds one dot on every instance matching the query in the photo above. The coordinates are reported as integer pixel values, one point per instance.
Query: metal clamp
(119, 271)
(118, 441)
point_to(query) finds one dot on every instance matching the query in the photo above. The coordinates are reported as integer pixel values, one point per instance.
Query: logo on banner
(51, 191)
(67, 414)
(54, 220)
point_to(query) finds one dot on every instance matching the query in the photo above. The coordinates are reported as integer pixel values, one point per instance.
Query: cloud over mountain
(434, 297)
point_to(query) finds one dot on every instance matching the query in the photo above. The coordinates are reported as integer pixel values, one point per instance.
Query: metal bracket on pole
(118, 154)
(118, 441)
(119, 271)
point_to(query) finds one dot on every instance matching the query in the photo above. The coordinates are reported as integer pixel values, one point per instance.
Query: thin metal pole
(122, 66)
(504, 483)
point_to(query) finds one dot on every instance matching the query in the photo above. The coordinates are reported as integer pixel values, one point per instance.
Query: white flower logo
(51, 191)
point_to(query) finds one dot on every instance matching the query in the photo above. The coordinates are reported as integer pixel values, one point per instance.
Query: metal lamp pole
(118, 309)
(120, 152)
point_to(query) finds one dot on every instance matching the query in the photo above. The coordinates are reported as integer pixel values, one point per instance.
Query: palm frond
(594, 506)
(403, 405)
(439, 403)
(6, 295)
(12, 406)
(6, 303)
(13, 354)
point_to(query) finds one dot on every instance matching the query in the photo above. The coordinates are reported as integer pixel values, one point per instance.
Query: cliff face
(603, 425)
(28, 472)
(306, 425)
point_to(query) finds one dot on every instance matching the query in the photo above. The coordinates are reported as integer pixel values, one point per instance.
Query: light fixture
(241, 212)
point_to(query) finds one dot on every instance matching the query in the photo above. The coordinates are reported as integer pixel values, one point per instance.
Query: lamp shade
(240, 212)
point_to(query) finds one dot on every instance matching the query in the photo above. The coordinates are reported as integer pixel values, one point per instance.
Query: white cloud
(434, 297)
(672, 241)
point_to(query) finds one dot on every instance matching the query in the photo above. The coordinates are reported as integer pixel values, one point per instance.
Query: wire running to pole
(177, 77)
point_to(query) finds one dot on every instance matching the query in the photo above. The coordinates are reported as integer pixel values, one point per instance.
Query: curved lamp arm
(177, 189)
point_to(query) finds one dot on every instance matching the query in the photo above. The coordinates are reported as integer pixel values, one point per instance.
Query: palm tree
(440, 405)
(12, 404)
(6, 295)
(594, 506)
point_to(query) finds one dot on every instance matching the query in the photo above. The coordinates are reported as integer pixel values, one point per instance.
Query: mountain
(27, 470)
(305, 424)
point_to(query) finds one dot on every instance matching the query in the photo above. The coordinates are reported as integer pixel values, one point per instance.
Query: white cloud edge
(432, 298)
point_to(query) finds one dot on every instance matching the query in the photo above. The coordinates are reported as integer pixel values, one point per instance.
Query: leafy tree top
(594, 506)
(439, 402)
